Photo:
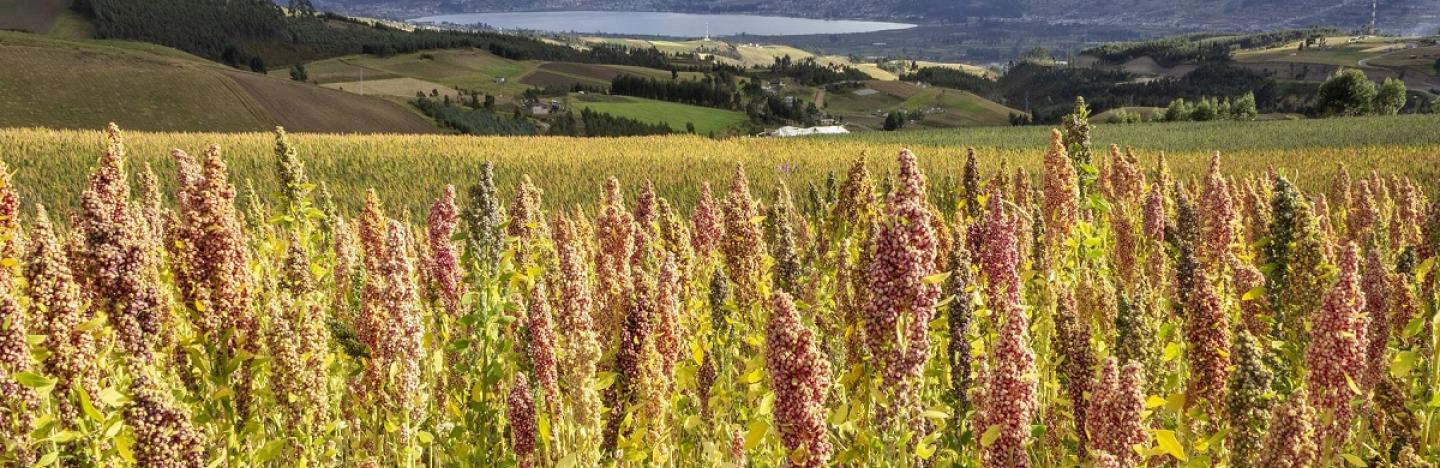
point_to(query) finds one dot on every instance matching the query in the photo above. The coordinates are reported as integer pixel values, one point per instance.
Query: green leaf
(1353, 460)
(1403, 363)
(991, 434)
(113, 429)
(112, 397)
(48, 459)
(756, 433)
(1254, 293)
(1167, 442)
(33, 380)
(568, 462)
(87, 406)
(65, 436)
(1424, 268)
(604, 380)
(935, 414)
(1414, 327)
(270, 451)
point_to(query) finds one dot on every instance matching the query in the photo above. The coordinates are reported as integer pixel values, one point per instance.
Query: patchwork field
(706, 119)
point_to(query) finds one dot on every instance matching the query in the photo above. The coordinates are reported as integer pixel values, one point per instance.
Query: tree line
(711, 91)
(1207, 47)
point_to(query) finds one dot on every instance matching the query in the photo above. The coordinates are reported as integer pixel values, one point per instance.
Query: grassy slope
(955, 108)
(1339, 52)
(73, 83)
(676, 115)
(48, 165)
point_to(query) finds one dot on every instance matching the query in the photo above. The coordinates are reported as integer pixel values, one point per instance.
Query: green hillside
(675, 115)
(63, 83)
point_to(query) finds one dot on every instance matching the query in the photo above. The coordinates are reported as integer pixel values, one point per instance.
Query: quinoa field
(378, 301)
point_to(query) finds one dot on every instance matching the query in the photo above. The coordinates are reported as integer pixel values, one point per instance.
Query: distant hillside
(1398, 16)
(81, 84)
(258, 34)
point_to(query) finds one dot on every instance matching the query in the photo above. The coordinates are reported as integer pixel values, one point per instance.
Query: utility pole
(1374, 7)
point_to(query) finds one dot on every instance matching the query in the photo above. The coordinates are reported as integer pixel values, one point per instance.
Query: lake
(662, 24)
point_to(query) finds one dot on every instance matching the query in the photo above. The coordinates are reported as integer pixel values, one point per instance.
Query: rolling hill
(62, 83)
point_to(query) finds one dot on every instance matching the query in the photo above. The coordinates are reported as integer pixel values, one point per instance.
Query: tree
(1391, 97)
(257, 64)
(1346, 93)
(894, 121)
(1205, 110)
(302, 8)
(1178, 111)
(298, 73)
(1244, 108)
(1437, 66)
(1036, 54)
(489, 102)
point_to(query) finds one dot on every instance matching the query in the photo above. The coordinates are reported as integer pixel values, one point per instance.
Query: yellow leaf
(698, 352)
(1353, 460)
(112, 397)
(926, 447)
(991, 433)
(758, 428)
(1167, 442)
(1172, 351)
(1154, 401)
(94, 323)
(1176, 402)
(936, 278)
(8, 262)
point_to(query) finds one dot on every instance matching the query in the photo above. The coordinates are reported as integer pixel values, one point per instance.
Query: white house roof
(789, 131)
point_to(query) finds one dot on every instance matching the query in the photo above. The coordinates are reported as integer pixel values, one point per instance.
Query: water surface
(662, 24)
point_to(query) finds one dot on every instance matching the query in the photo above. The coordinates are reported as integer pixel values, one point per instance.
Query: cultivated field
(1091, 309)
(405, 167)
(706, 119)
